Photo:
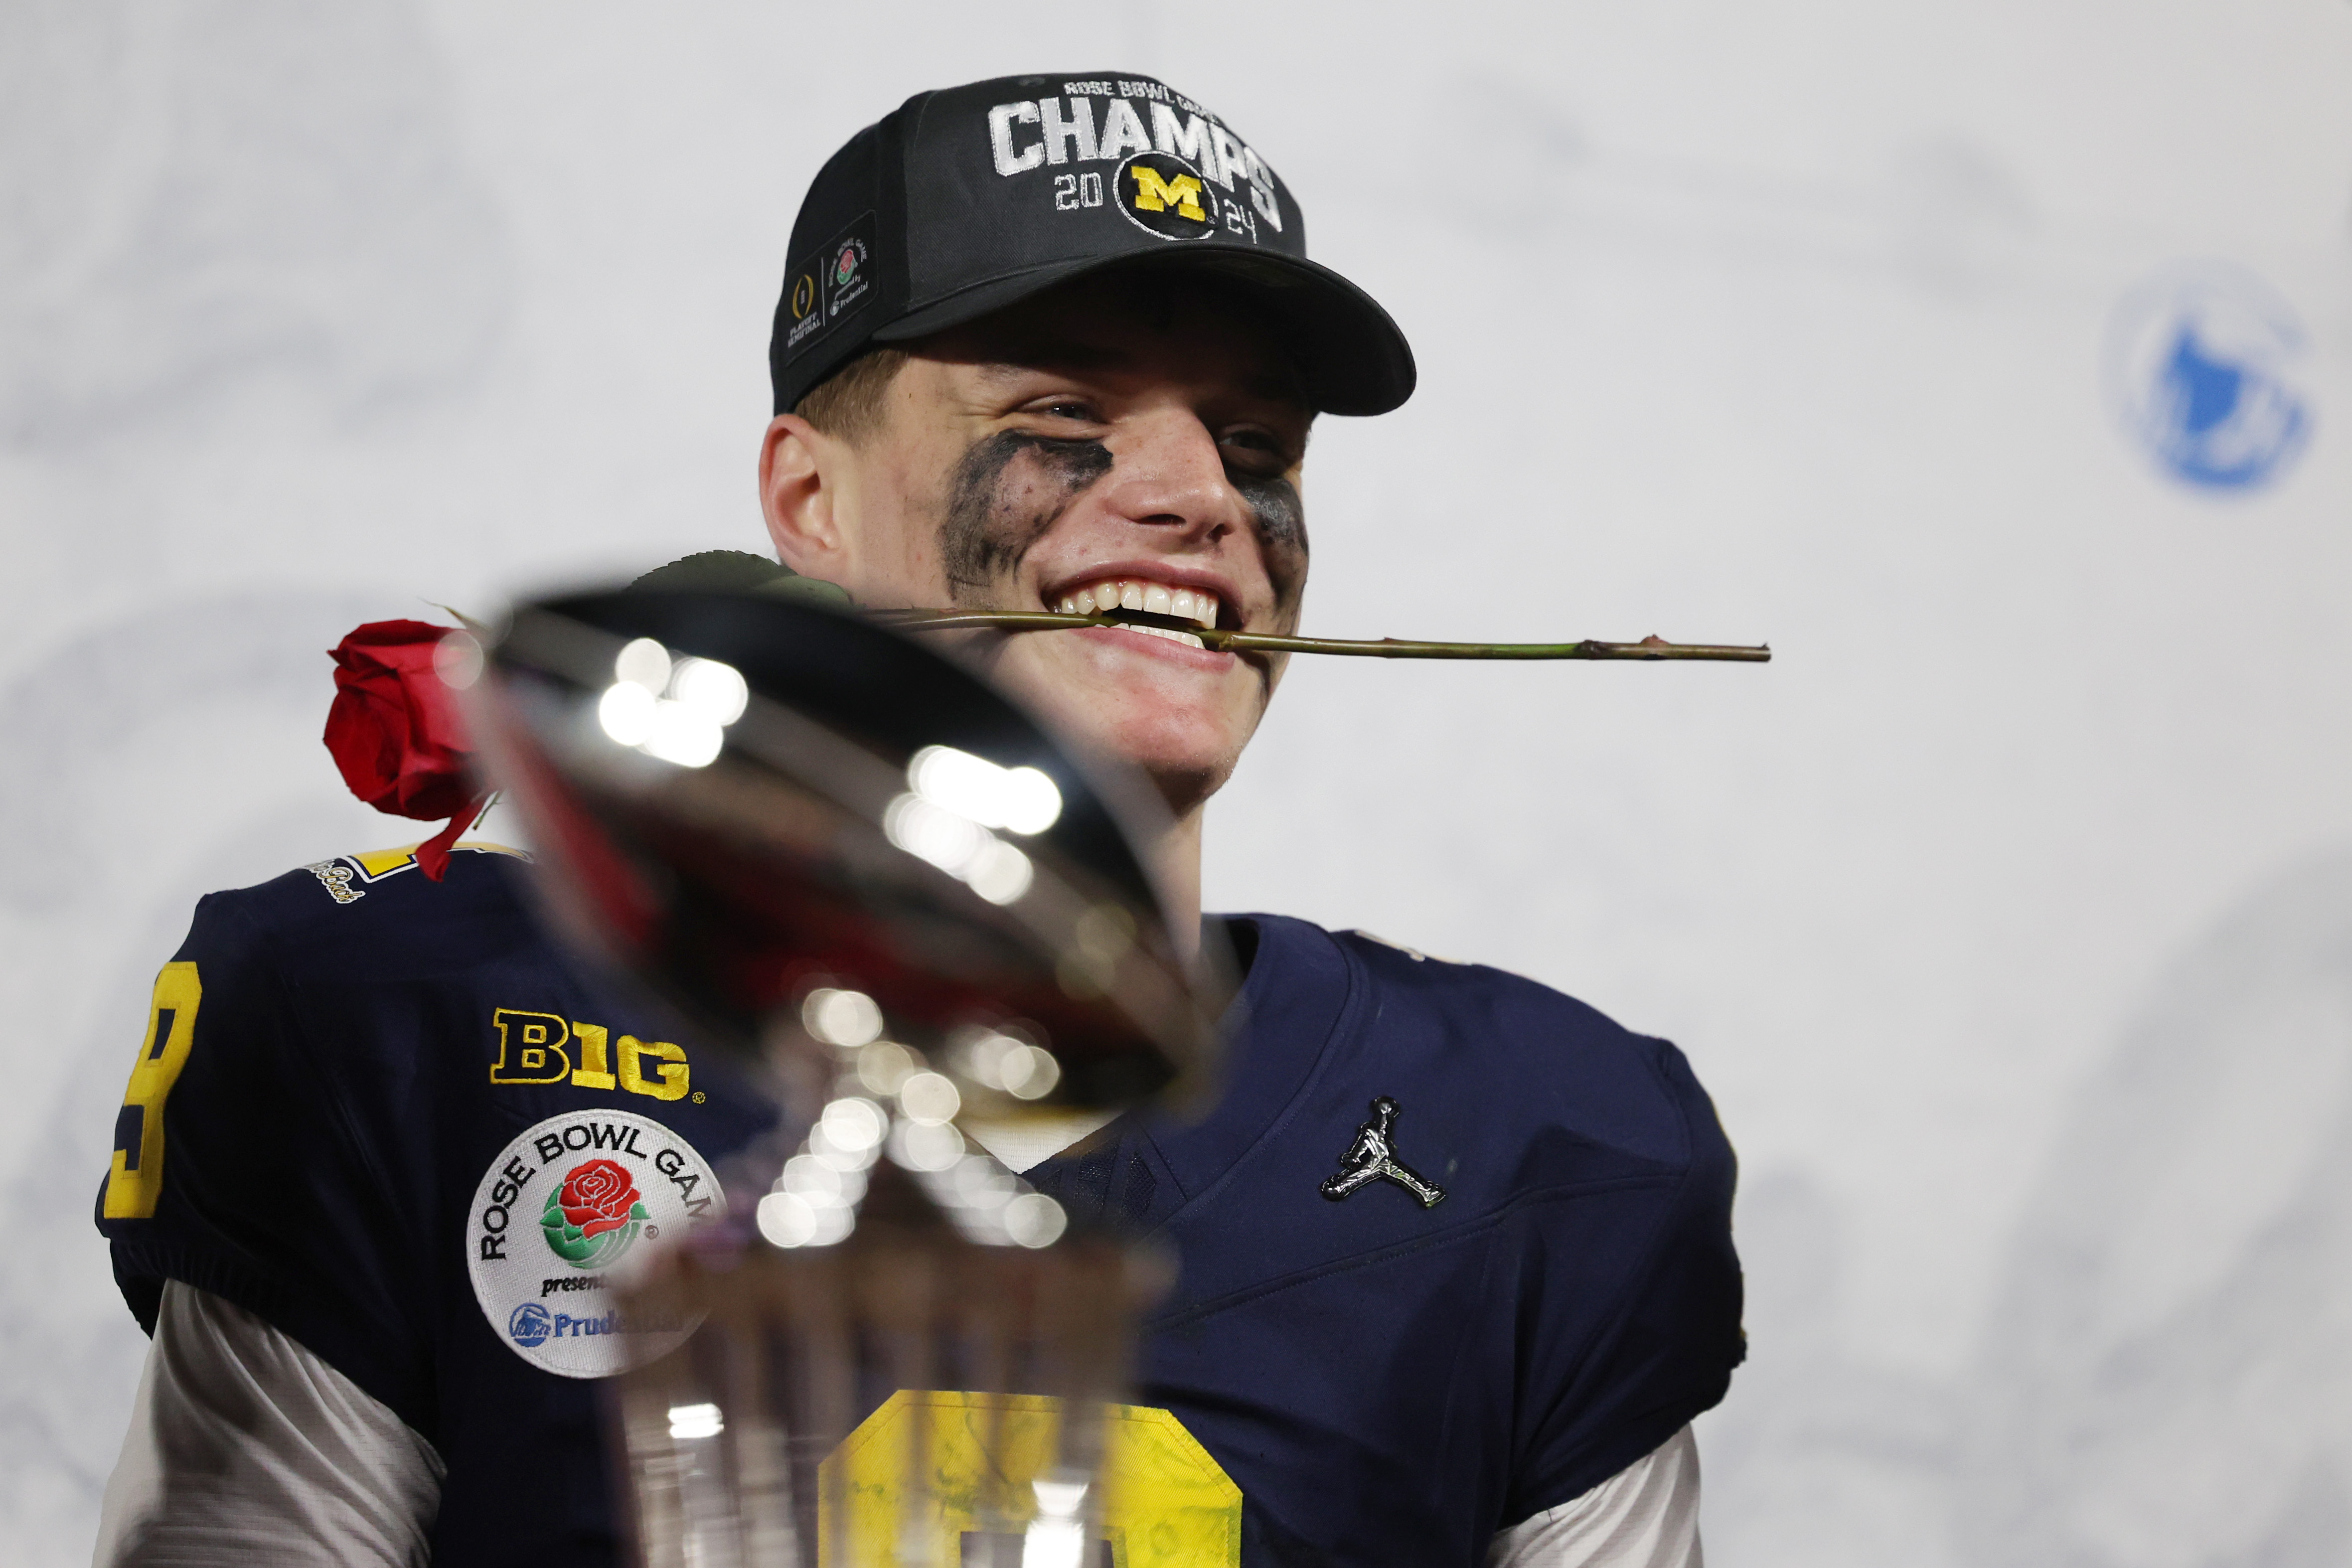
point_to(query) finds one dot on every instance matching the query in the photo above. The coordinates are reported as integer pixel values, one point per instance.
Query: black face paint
(1281, 521)
(989, 528)
(1281, 518)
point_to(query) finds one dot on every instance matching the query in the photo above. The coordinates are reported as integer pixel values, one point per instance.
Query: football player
(1455, 1270)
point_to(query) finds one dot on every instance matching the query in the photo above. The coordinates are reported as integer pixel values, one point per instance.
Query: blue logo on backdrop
(2196, 360)
(531, 1325)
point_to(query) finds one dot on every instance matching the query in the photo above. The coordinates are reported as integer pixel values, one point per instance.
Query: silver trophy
(922, 929)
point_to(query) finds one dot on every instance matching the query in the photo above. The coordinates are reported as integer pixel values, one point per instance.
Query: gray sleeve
(245, 1447)
(1644, 1516)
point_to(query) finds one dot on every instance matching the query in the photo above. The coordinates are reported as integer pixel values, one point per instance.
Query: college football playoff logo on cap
(598, 1184)
(1162, 193)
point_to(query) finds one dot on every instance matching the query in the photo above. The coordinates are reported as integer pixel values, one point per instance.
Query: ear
(802, 476)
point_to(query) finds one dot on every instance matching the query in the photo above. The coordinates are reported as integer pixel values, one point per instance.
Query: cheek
(1277, 665)
(1281, 523)
(892, 520)
(1290, 580)
(1004, 494)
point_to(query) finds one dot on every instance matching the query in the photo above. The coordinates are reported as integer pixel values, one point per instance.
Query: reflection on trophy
(922, 929)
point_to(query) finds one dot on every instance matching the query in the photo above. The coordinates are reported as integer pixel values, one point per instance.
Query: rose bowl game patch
(558, 1210)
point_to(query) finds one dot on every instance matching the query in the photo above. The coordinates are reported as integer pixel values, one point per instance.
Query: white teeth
(1168, 634)
(1152, 598)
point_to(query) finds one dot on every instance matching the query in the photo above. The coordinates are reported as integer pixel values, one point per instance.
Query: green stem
(1385, 648)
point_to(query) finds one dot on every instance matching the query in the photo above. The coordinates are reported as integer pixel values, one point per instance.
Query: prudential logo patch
(559, 1208)
(531, 1325)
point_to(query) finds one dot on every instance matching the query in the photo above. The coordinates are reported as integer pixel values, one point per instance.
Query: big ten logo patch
(1166, 1502)
(547, 1047)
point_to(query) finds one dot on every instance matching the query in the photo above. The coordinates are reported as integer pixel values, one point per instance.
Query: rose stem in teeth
(1183, 604)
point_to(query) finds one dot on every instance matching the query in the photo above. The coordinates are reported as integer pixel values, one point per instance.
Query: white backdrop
(2008, 915)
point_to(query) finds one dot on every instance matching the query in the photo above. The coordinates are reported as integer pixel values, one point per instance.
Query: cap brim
(1351, 358)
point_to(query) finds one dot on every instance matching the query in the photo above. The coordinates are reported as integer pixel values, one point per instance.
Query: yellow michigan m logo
(1153, 194)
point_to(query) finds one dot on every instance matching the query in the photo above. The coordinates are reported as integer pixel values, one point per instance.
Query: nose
(1167, 472)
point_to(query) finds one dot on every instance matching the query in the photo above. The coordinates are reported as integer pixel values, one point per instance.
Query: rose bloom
(597, 1197)
(394, 732)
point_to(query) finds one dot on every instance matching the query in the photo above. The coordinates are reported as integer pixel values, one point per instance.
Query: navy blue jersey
(1452, 1247)
(335, 1061)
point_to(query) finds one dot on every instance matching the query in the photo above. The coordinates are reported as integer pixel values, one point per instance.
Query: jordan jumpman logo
(1372, 1158)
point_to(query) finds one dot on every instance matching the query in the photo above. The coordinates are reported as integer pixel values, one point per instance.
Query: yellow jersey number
(966, 1464)
(134, 1181)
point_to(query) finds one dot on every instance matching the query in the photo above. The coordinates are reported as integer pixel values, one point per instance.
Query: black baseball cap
(966, 199)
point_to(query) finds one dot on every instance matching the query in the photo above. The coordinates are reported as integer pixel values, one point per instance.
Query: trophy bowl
(921, 930)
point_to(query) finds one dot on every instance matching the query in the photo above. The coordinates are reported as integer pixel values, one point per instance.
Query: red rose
(394, 732)
(597, 1197)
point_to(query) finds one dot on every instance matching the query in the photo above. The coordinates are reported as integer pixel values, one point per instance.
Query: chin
(1188, 741)
(1188, 764)
(1186, 783)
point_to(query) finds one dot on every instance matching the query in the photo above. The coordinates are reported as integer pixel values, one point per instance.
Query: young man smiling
(1129, 440)
(1455, 1262)
(1064, 402)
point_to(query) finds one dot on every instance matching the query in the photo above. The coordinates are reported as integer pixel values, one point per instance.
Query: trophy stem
(907, 1398)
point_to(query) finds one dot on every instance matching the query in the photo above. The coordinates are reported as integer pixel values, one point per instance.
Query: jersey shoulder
(372, 915)
(1532, 1060)
(348, 879)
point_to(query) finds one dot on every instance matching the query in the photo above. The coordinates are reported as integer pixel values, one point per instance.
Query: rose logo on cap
(1162, 193)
